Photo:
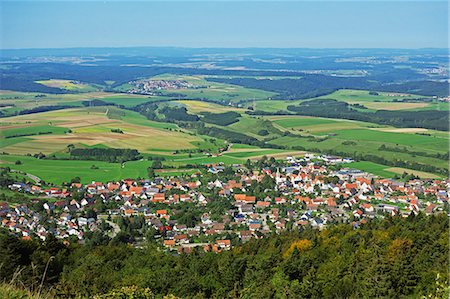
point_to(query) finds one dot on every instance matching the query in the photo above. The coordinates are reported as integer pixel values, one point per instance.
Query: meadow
(70, 85)
(59, 171)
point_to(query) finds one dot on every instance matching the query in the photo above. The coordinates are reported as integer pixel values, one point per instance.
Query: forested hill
(430, 119)
(310, 86)
(391, 258)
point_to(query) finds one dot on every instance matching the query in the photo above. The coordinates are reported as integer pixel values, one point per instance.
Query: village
(154, 87)
(219, 206)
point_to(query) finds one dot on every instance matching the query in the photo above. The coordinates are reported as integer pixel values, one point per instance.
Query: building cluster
(154, 87)
(224, 210)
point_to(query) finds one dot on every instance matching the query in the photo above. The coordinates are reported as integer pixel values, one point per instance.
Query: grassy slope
(93, 126)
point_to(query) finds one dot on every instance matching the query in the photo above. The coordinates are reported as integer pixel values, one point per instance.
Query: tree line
(391, 258)
(330, 108)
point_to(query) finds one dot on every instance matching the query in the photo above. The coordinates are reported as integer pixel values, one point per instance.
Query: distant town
(154, 87)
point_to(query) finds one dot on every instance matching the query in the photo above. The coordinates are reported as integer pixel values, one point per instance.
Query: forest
(429, 119)
(221, 119)
(390, 258)
(309, 86)
(112, 155)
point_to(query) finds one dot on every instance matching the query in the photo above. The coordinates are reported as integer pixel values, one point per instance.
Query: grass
(31, 130)
(299, 122)
(59, 171)
(427, 143)
(130, 100)
(272, 105)
(252, 126)
(69, 85)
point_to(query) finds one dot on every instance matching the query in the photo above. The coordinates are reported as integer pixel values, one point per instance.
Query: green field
(59, 171)
(299, 122)
(70, 85)
(130, 100)
(252, 126)
(427, 143)
(384, 100)
(7, 133)
(388, 172)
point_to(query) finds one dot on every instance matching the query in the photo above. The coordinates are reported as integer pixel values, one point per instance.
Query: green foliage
(431, 119)
(105, 154)
(131, 292)
(221, 119)
(391, 258)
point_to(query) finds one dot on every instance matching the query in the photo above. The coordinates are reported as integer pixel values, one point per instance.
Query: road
(31, 176)
(116, 228)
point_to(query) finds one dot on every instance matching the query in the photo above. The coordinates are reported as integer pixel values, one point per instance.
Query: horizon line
(231, 47)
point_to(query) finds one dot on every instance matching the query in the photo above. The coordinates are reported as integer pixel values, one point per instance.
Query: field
(130, 100)
(316, 125)
(51, 132)
(69, 85)
(210, 90)
(389, 172)
(59, 171)
(14, 102)
(383, 101)
(360, 137)
(199, 106)
(252, 126)
(91, 127)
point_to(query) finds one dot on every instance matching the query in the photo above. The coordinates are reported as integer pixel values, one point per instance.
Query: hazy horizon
(217, 24)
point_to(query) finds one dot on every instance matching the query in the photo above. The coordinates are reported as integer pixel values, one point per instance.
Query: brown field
(245, 150)
(393, 105)
(198, 106)
(280, 155)
(421, 174)
(401, 130)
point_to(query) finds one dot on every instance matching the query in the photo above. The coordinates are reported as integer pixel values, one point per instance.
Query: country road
(31, 176)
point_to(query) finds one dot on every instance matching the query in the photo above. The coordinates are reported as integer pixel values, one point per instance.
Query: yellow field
(392, 105)
(67, 84)
(402, 130)
(198, 106)
(93, 127)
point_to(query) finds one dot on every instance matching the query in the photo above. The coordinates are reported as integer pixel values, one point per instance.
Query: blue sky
(318, 24)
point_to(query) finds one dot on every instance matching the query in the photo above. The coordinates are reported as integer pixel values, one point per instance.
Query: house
(169, 243)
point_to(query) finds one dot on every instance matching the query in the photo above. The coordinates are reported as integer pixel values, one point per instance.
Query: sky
(296, 24)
